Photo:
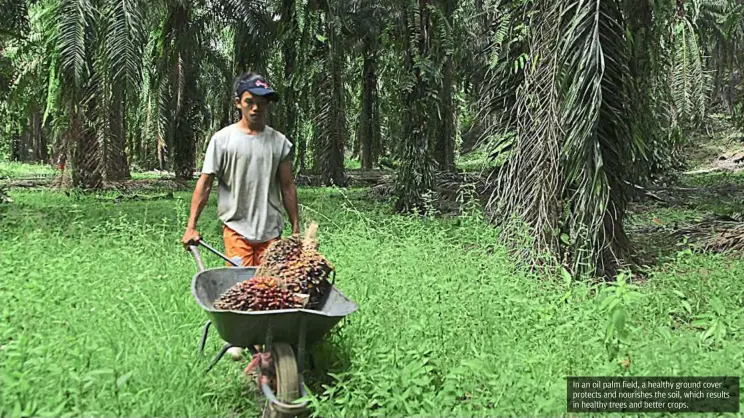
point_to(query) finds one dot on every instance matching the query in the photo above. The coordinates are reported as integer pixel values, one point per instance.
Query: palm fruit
(281, 251)
(260, 293)
(300, 266)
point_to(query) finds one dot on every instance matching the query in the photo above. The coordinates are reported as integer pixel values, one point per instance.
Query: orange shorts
(249, 253)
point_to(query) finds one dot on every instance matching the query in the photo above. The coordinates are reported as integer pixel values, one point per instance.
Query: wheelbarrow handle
(195, 252)
(217, 253)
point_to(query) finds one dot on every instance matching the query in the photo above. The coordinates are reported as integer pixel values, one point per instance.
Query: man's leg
(237, 247)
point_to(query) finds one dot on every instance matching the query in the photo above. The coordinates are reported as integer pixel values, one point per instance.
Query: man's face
(255, 108)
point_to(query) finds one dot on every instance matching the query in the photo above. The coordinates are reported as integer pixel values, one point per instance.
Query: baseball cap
(258, 86)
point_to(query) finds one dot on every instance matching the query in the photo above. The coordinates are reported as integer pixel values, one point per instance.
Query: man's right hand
(191, 237)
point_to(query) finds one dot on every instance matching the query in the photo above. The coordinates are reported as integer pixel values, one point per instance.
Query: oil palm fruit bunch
(259, 293)
(300, 266)
(282, 251)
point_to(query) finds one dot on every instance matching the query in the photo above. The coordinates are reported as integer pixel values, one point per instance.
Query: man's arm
(198, 201)
(289, 194)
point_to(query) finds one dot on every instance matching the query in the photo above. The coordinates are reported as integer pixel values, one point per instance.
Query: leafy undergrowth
(704, 149)
(98, 318)
(14, 170)
(659, 228)
(11, 170)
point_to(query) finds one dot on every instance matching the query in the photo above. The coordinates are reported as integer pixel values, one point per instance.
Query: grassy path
(96, 317)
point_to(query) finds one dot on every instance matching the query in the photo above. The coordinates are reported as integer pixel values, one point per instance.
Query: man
(252, 163)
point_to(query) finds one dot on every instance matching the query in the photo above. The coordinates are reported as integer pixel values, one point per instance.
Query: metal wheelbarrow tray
(245, 329)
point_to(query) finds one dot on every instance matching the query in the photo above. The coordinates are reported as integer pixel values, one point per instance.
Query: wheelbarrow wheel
(287, 379)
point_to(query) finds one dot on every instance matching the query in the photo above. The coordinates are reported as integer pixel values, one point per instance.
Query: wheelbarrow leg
(204, 337)
(219, 356)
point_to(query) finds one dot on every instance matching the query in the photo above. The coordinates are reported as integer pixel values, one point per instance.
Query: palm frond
(527, 188)
(75, 27)
(503, 66)
(687, 79)
(13, 19)
(564, 177)
(253, 14)
(124, 41)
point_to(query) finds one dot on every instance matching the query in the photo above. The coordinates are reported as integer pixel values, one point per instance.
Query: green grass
(352, 163)
(15, 170)
(475, 161)
(98, 319)
(9, 169)
(714, 179)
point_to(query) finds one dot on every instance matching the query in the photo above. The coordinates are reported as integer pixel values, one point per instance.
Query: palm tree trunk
(116, 159)
(376, 129)
(304, 85)
(184, 140)
(288, 32)
(15, 146)
(366, 119)
(86, 152)
(330, 131)
(132, 135)
(40, 144)
(318, 109)
(23, 145)
(444, 152)
(337, 142)
(445, 149)
(414, 178)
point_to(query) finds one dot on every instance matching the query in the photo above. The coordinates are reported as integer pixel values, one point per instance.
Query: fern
(499, 37)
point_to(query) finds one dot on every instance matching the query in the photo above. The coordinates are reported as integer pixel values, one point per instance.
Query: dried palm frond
(726, 239)
(714, 235)
(529, 185)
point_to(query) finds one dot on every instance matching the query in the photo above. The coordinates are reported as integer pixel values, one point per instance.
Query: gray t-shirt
(249, 194)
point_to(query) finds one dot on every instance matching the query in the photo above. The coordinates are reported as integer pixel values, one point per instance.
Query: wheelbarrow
(286, 334)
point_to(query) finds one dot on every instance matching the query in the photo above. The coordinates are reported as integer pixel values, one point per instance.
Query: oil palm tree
(444, 51)
(327, 92)
(99, 45)
(414, 179)
(13, 20)
(575, 144)
(183, 49)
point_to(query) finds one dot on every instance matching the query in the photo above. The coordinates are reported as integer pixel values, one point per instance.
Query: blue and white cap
(258, 86)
